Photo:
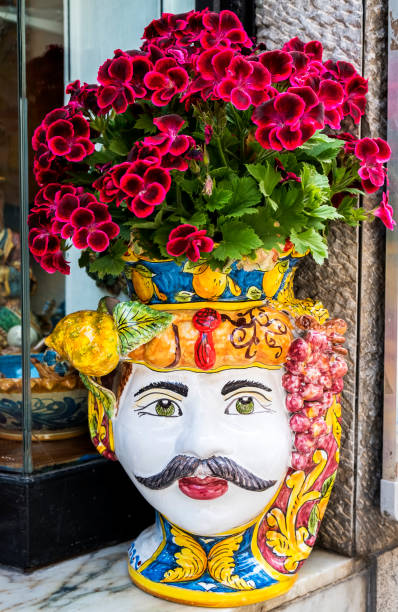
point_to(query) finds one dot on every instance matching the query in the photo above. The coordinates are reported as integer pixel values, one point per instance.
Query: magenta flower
(223, 29)
(385, 212)
(169, 141)
(289, 119)
(83, 96)
(313, 48)
(355, 87)
(70, 138)
(166, 79)
(211, 66)
(118, 87)
(91, 226)
(187, 239)
(41, 238)
(372, 152)
(278, 63)
(145, 187)
(245, 83)
(108, 184)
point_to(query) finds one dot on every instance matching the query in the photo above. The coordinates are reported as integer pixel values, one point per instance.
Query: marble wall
(351, 284)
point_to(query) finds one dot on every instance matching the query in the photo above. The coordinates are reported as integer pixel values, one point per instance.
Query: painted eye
(161, 407)
(165, 408)
(244, 405)
(248, 404)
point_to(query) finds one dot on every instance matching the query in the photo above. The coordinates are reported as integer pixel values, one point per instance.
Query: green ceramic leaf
(254, 293)
(313, 520)
(327, 485)
(103, 395)
(137, 324)
(183, 296)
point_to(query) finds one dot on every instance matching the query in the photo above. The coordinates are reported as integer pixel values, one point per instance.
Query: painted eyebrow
(234, 385)
(171, 386)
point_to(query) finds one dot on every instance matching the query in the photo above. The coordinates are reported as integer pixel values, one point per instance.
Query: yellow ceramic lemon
(272, 279)
(143, 284)
(211, 284)
(88, 340)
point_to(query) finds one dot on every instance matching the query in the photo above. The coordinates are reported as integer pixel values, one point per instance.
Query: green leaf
(117, 145)
(137, 324)
(184, 296)
(254, 293)
(107, 265)
(238, 239)
(198, 218)
(313, 520)
(145, 123)
(104, 396)
(311, 240)
(328, 485)
(245, 189)
(266, 176)
(324, 212)
(322, 148)
(218, 199)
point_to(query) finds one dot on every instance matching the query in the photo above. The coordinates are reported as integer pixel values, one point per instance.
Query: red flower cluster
(314, 376)
(144, 180)
(122, 81)
(64, 134)
(289, 119)
(61, 212)
(372, 153)
(187, 239)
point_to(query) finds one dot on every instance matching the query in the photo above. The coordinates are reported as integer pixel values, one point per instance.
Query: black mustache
(183, 466)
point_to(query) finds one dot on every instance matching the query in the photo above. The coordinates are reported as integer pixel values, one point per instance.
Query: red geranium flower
(289, 119)
(145, 187)
(92, 226)
(83, 96)
(169, 141)
(70, 138)
(372, 152)
(189, 240)
(224, 29)
(278, 63)
(119, 88)
(245, 83)
(166, 79)
(385, 212)
(313, 48)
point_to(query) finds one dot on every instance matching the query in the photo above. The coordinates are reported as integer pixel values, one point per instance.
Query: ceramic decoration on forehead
(195, 175)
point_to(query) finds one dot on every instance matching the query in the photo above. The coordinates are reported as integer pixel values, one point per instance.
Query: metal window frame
(389, 482)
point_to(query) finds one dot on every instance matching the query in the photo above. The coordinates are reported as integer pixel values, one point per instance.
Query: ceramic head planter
(200, 169)
(227, 420)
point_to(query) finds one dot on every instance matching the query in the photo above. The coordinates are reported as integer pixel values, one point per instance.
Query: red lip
(203, 488)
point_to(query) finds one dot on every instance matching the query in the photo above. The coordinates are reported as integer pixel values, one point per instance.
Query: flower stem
(221, 152)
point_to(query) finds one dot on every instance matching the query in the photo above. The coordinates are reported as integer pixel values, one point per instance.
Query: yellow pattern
(221, 564)
(272, 279)
(96, 414)
(284, 539)
(332, 419)
(191, 559)
(143, 284)
(301, 307)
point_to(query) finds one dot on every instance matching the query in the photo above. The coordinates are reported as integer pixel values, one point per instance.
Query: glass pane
(118, 25)
(11, 456)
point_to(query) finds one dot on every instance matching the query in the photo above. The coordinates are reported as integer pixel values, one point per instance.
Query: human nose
(203, 435)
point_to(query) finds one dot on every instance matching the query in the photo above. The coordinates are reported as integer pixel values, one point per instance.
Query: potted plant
(203, 168)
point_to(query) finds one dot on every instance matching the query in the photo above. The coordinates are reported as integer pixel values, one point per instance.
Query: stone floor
(99, 582)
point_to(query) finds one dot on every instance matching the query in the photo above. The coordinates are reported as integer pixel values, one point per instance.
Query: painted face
(207, 450)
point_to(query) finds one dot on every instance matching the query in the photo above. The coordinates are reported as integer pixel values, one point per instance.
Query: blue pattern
(246, 565)
(171, 280)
